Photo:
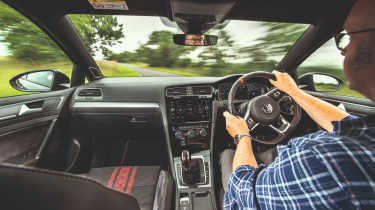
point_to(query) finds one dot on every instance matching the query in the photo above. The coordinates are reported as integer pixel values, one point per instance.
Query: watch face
(237, 138)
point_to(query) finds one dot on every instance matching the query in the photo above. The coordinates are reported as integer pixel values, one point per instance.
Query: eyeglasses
(343, 39)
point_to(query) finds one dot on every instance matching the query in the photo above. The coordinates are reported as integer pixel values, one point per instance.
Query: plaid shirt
(318, 171)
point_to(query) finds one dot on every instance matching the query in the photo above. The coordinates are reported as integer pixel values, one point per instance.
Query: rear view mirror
(40, 81)
(195, 39)
(321, 82)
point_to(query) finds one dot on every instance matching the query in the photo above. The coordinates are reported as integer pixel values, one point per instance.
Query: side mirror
(195, 39)
(40, 81)
(320, 82)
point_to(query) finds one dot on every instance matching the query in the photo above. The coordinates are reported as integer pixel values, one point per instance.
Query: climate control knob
(203, 133)
(179, 135)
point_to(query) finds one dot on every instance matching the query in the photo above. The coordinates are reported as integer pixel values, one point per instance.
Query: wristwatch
(239, 136)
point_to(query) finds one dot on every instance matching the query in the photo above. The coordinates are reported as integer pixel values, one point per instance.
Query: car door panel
(355, 106)
(26, 123)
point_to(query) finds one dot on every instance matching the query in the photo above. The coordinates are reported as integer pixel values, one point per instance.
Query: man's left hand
(235, 125)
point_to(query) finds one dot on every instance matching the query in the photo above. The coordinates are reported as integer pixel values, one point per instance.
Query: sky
(137, 29)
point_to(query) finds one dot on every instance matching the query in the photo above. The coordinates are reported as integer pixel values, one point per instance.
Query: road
(150, 73)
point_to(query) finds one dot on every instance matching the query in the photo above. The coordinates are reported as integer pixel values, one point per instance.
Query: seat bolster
(164, 192)
(32, 188)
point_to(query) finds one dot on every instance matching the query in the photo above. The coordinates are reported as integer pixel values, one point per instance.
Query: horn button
(264, 109)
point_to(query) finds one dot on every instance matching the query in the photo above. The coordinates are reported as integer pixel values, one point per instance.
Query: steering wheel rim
(285, 128)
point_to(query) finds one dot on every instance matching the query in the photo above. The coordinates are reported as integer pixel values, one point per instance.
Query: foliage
(98, 31)
(124, 57)
(279, 38)
(160, 50)
(28, 42)
(217, 56)
(24, 39)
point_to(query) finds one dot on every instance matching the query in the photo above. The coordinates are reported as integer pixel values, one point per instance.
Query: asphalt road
(150, 73)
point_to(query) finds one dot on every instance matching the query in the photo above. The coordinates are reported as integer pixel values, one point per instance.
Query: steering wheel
(264, 109)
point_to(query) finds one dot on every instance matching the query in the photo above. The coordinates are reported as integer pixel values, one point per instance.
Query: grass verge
(113, 69)
(175, 70)
(10, 67)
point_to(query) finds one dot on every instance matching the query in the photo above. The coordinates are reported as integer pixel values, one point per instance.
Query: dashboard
(186, 107)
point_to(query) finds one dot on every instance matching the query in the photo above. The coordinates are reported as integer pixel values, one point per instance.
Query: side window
(328, 59)
(25, 47)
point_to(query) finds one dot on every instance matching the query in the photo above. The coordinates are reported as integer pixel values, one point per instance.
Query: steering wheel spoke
(281, 125)
(251, 124)
(275, 94)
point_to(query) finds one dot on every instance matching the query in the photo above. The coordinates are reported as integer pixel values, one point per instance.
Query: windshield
(126, 46)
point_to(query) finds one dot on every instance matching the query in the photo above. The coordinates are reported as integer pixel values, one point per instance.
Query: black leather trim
(164, 192)
(30, 188)
(26, 124)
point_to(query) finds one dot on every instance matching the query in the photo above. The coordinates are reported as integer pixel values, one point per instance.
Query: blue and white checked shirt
(318, 171)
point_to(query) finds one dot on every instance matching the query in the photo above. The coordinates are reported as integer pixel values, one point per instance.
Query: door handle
(27, 110)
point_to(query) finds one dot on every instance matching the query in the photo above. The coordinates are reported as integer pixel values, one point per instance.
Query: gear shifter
(186, 160)
(187, 175)
(190, 169)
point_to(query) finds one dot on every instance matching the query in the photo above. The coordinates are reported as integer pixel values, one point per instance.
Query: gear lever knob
(186, 160)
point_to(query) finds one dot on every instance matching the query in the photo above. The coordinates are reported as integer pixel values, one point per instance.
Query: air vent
(177, 91)
(95, 73)
(202, 90)
(90, 92)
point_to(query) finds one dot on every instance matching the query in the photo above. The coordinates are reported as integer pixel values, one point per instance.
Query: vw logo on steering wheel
(267, 108)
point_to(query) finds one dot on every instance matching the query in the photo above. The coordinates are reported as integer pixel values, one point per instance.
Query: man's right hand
(284, 82)
(321, 112)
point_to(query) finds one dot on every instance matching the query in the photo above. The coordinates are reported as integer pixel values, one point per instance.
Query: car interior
(96, 142)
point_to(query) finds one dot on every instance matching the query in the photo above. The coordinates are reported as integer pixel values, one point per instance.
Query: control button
(185, 203)
(203, 132)
(179, 135)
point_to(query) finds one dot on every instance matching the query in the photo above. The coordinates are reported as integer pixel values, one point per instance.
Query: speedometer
(250, 91)
(245, 92)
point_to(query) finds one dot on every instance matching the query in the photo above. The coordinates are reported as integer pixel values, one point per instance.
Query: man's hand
(235, 125)
(284, 82)
(321, 112)
(244, 152)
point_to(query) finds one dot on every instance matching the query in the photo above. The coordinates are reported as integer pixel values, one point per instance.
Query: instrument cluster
(245, 92)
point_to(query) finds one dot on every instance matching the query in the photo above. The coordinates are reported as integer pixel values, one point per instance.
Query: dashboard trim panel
(114, 105)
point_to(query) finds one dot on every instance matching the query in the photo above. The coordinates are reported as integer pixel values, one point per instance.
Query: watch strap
(239, 136)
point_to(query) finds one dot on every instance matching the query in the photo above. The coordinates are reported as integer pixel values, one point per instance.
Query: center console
(189, 111)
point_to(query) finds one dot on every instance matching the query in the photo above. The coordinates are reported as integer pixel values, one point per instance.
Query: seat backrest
(31, 188)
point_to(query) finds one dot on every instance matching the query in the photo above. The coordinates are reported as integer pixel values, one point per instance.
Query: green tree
(28, 42)
(99, 31)
(23, 39)
(217, 56)
(160, 50)
(279, 37)
(124, 57)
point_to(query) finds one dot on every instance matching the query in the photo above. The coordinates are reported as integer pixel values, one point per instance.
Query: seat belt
(254, 187)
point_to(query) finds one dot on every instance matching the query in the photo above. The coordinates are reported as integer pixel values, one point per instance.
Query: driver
(332, 169)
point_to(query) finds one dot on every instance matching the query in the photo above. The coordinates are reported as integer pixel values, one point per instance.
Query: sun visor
(109, 4)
